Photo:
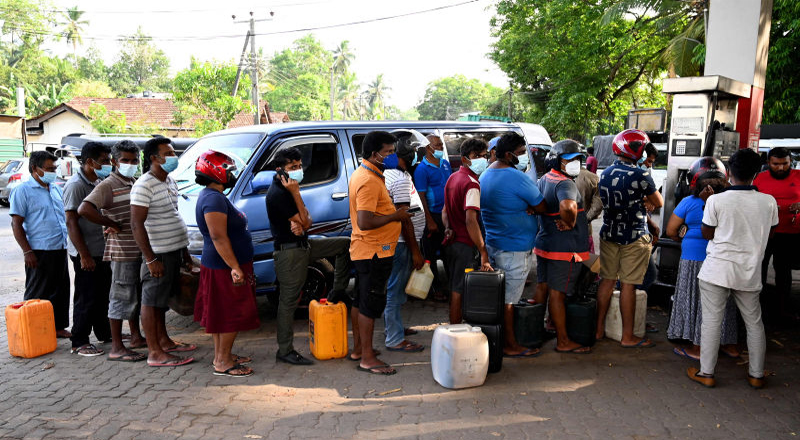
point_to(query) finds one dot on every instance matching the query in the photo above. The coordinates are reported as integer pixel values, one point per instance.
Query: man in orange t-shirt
(376, 227)
(783, 183)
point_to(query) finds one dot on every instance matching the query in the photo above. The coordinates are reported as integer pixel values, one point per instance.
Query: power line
(172, 11)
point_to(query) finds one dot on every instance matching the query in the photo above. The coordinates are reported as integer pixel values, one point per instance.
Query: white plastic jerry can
(459, 356)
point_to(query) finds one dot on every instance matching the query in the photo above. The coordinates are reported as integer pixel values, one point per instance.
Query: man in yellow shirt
(376, 228)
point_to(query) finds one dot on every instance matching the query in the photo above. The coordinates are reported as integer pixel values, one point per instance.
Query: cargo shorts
(126, 290)
(626, 262)
(516, 266)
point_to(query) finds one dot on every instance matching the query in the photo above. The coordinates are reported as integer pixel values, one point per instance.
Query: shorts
(157, 291)
(516, 265)
(559, 275)
(126, 290)
(460, 256)
(626, 262)
(371, 278)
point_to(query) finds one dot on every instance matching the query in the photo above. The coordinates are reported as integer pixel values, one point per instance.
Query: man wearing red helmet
(625, 241)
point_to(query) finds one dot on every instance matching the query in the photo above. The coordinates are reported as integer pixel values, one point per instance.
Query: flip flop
(650, 328)
(576, 350)
(377, 353)
(229, 372)
(129, 357)
(138, 346)
(241, 360)
(172, 362)
(179, 347)
(380, 373)
(682, 353)
(407, 347)
(644, 343)
(527, 353)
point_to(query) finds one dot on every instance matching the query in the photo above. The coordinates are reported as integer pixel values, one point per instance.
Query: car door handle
(339, 196)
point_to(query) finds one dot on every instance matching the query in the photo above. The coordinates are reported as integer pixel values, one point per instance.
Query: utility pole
(331, 93)
(510, 99)
(241, 64)
(253, 63)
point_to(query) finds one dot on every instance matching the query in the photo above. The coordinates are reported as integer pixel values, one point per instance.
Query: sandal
(350, 356)
(527, 353)
(577, 350)
(177, 362)
(241, 360)
(179, 347)
(88, 350)
(644, 343)
(371, 370)
(128, 357)
(407, 347)
(243, 371)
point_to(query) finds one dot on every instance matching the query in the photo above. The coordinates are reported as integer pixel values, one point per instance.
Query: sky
(410, 51)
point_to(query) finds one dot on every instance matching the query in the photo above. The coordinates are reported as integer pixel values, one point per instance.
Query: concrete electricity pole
(254, 62)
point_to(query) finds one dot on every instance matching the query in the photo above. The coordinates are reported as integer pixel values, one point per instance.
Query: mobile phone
(282, 173)
(415, 210)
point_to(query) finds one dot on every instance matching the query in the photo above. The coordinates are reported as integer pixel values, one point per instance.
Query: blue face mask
(49, 177)
(438, 154)
(128, 170)
(478, 165)
(414, 160)
(296, 175)
(390, 162)
(171, 164)
(103, 172)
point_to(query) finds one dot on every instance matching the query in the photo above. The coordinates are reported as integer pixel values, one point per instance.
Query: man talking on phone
(289, 222)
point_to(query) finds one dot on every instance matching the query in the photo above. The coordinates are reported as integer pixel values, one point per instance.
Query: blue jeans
(396, 295)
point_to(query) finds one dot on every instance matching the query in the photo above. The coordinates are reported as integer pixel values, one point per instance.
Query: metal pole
(254, 70)
(241, 61)
(331, 93)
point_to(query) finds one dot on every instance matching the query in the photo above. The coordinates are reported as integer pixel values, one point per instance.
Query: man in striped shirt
(161, 235)
(109, 205)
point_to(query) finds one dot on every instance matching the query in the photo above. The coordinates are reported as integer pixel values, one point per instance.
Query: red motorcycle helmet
(630, 144)
(707, 168)
(215, 166)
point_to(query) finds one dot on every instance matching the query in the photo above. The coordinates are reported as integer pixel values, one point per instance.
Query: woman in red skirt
(226, 302)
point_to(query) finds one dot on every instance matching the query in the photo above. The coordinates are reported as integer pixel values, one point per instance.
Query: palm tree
(688, 17)
(378, 92)
(342, 57)
(73, 29)
(347, 96)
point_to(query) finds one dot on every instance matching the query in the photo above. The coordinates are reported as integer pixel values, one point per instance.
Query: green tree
(574, 71)
(204, 90)
(782, 92)
(92, 66)
(73, 28)
(378, 92)
(105, 121)
(92, 88)
(446, 97)
(140, 66)
(347, 96)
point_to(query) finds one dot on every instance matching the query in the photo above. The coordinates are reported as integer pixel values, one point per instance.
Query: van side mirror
(261, 181)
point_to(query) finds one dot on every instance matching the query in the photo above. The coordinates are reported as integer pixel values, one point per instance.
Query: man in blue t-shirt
(509, 198)
(625, 241)
(430, 177)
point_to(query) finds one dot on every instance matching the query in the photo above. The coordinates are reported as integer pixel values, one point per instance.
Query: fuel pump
(704, 113)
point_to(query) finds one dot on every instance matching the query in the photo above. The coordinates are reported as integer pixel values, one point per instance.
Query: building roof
(144, 111)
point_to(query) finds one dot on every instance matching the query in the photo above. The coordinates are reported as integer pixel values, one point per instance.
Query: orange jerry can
(31, 328)
(327, 329)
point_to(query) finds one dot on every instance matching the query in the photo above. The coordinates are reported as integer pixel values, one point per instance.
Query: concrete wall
(57, 127)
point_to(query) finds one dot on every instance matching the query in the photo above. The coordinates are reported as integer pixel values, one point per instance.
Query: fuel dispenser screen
(686, 147)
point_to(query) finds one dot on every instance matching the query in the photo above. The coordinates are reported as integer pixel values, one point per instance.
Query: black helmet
(706, 168)
(566, 149)
(408, 143)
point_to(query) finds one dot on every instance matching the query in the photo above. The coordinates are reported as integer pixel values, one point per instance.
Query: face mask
(170, 164)
(231, 181)
(478, 165)
(438, 154)
(390, 161)
(49, 177)
(523, 161)
(127, 170)
(103, 172)
(296, 175)
(414, 160)
(573, 168)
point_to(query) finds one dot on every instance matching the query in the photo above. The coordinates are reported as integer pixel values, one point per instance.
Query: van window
(358, 139)
(239, 146)
(320, 157)
(453, 140)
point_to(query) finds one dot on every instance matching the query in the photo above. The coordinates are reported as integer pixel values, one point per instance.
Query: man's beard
(779, 175)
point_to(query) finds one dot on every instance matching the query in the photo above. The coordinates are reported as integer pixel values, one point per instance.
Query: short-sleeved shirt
(623, 187)
(280, 208)
(165, 227)
(571, 245)
(785, 191)
(42, 208)
(367, 192)
(462, 193)
(401, 189)
(506, 194)
(742, 218)
(211, 200)
(112, 197)
(693, 245)
(430, 180)
(75, 191)
(591, 164)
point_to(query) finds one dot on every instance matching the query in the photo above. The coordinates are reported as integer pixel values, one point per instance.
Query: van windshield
(239, 146)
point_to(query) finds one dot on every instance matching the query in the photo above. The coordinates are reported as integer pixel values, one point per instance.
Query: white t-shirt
(742, 218)
(165, 227)
(401, 190)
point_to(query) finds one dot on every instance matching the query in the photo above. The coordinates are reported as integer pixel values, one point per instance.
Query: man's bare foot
(138, 342)
(573, 347)
(377, 367)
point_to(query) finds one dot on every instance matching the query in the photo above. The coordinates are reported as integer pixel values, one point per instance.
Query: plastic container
(582, 321)
(484, 297)
(419, 283)
(459, 356)
(327, 329)
(614, 316)
(494, 333)
(31, 328)
(529, 324)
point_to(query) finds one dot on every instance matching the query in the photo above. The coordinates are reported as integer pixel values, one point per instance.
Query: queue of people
(128, 243)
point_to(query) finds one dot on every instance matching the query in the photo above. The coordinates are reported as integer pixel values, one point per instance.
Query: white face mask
(573, 168)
